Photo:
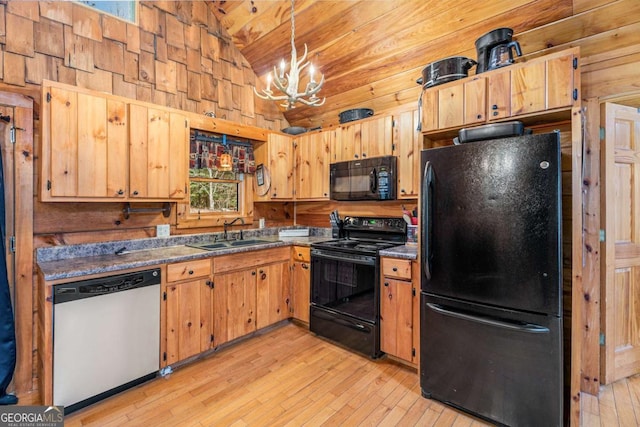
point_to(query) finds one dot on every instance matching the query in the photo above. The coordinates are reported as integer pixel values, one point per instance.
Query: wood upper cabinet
(273, 294)
(455, 105)
(362, 139)
(158, 154)
(84, 146)
(399, 309)
(187, 320)
(281, 166)
(301, 283)
(313, 155)
(99, 147)
(406, 146)
(525, 88)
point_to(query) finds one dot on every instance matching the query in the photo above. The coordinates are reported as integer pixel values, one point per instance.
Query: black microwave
(366, 179)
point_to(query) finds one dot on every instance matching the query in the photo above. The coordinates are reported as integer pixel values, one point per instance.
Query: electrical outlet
(163, 230)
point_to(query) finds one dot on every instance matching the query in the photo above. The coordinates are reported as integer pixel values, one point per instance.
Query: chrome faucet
(226, 225)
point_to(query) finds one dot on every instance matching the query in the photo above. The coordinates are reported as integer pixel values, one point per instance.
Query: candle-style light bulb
(269, 81)
(311, 73)
(282, 68)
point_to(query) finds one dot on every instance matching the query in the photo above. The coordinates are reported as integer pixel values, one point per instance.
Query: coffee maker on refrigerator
(494, 49)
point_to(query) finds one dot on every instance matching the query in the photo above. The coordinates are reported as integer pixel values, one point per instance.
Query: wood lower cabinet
(301, 283)
(250, 291)
(187, 310)
(234, 305)
(273, 295)
(399, 309)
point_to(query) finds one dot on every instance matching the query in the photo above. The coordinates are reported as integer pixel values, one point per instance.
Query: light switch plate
(163, 230)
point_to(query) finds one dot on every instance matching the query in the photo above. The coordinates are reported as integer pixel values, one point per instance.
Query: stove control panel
(378, 224)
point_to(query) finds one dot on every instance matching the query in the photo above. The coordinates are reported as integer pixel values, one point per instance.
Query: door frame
(23, 158)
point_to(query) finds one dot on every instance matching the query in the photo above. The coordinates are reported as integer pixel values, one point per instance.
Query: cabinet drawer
(302, 253)
(394, 267)
(188, 270)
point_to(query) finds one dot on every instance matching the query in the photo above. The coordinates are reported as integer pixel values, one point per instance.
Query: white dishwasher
(106, 336)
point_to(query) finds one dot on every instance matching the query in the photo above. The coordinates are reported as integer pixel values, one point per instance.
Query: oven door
(345, 283)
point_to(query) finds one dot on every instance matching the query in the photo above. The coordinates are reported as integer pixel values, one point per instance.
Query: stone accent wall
(178, 55)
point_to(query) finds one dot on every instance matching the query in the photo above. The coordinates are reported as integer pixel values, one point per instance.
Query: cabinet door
(234, 305)
(528, 89)
(281, 166)
(475, 101)
(407, 144)
(272, 294)
(301, 290)
(348, 144)
(87, 146)
(429, 113)
(396, 318)
(376, 137)
(451, 106)
(187, 319)
(158, 156)
(560, 84)
(313, 155)
(499, 95)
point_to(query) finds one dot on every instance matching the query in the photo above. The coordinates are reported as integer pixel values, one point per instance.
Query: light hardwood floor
(289, 377)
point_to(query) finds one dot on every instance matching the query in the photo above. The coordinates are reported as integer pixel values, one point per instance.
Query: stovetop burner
(368, 235)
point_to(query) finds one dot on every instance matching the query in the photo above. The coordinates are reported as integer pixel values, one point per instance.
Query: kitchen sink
(212, 246)
(249, 242)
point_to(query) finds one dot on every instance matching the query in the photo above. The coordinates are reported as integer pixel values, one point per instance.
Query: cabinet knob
(494, 107)
(253, 273)
(135, 192)
(274, 195)
(402, 190)
(495, 113)
(364, 154)
(386, 283)
(479, 116)
(325, 194)
(355, 156)
(120, 192)
(395, 269)
(190, 271)
(305, 266)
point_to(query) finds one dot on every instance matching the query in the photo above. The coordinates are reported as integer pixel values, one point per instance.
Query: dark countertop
(404, 251)
(75, 267)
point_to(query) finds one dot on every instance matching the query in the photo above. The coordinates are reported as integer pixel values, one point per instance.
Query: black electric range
(345, 275)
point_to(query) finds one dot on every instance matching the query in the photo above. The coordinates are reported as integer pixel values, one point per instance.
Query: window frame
(136, 5)
(186, 219)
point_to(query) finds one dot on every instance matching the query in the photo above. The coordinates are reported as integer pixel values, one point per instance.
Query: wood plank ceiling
(372, 51)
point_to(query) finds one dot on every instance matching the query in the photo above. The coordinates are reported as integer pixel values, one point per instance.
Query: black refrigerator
(491, 281)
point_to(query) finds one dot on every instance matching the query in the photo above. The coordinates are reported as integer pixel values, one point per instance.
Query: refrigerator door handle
(427, 218)
(521, 327)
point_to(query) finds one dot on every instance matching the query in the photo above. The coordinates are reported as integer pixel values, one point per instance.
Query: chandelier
(288, 82)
